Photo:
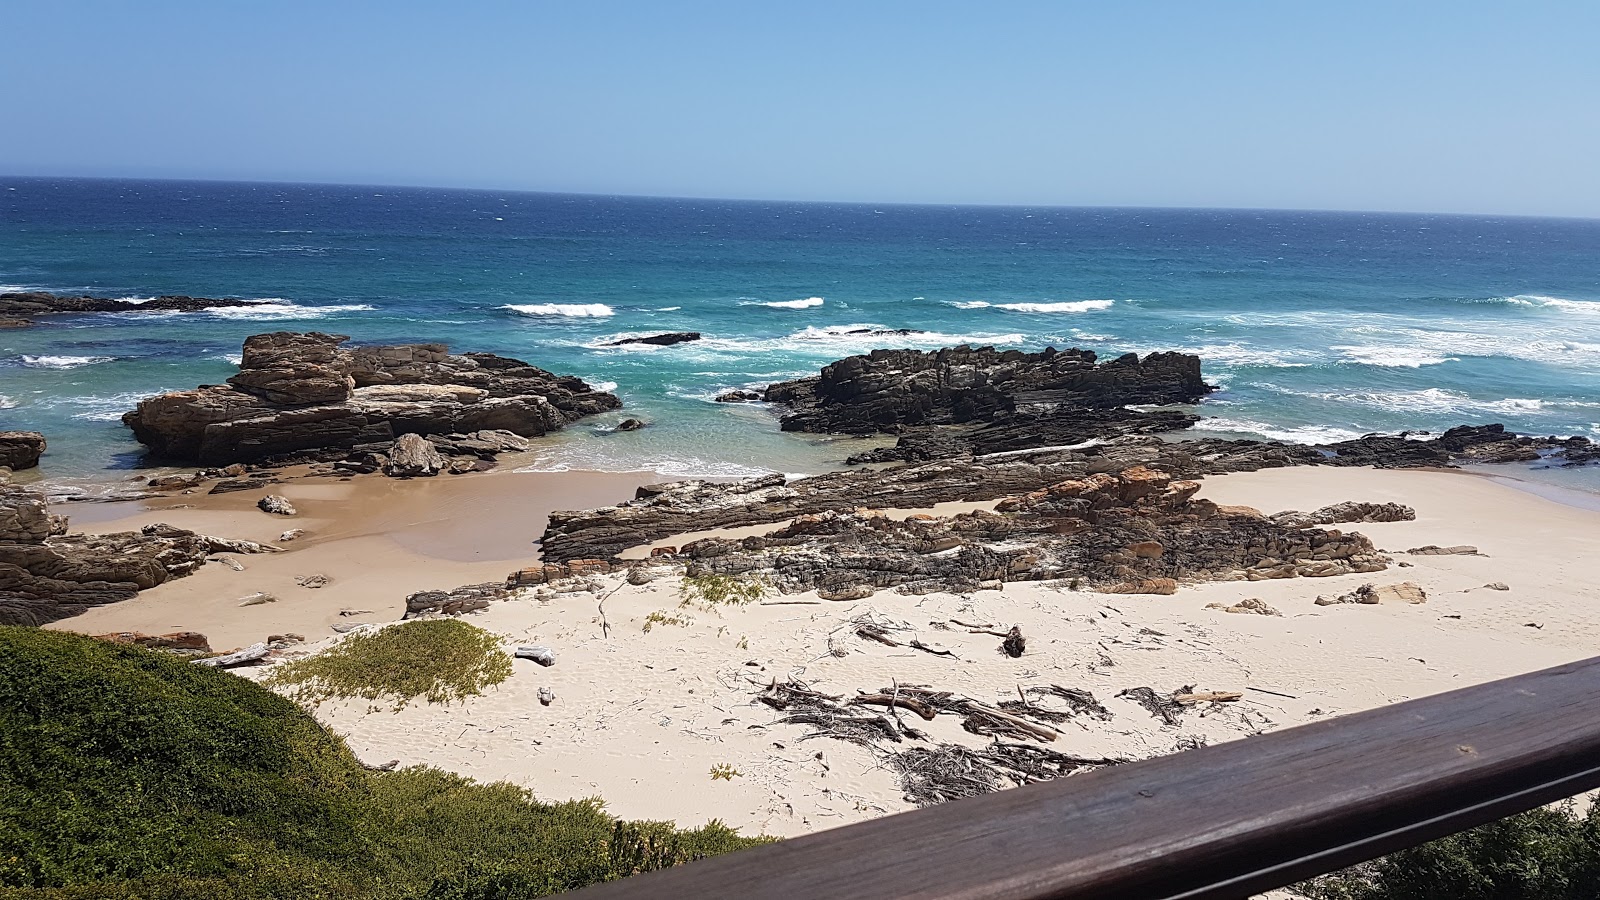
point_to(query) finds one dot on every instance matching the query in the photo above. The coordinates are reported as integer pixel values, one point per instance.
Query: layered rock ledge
(304, 396)
(48, 574)
(17, 308)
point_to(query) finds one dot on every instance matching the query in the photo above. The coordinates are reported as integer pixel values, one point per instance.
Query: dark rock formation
(660, 340)
(1134, 532)
(886, 391)
(21, 449)
(462, 600)
(47, 574)
(302, 396)
(739, 396)
(675, 508)
(17, 307)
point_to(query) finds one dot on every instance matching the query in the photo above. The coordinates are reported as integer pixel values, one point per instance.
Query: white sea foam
(1306, 434)
(235, 358)
(1391, 357)
(7, 402)
(1073, 306)
(805, 303)
(604, 387)
(570, 310)
(1433, 400)
(62, 362)
(275, 309)
(101, 408)
(813, 340)
(1584, 307)
(134, 301)
(669, 309)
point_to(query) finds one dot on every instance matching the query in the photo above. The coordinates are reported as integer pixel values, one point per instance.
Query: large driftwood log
(250, 655)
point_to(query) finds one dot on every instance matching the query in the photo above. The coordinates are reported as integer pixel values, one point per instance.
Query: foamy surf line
(806, 303)
(1072, 306)
(568, 310)
(62, 362)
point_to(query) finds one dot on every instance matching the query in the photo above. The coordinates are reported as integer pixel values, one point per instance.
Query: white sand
(641, 718)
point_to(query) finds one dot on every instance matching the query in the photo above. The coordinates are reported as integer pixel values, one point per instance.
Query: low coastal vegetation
(1550, 853)
(710, 591)
(126, 773)
(440, 660)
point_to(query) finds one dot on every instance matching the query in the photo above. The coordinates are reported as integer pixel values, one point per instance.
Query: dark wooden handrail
(1218, 822)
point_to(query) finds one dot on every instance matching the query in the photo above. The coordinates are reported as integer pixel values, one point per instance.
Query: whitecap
(805, 303)
(1391, 357)
(669, 309)
(273, 310)
(235, 358)
(1072, 306)
(62, 362)
(1585, 307)
(570, 310)
(7, 402)
(1306, 434)
(604, 387)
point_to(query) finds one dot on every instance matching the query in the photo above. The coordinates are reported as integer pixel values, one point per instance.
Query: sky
(1409, 106)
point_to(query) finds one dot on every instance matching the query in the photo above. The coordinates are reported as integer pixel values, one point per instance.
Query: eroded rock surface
(48, 574)
(21, 449)
(304, 396)
(888, 391)
(1138, 531)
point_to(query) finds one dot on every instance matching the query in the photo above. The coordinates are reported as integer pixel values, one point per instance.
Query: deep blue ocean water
(1317, 325)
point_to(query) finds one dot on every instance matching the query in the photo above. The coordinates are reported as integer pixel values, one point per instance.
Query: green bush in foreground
(131, 774)
(438, 659)
(710, 591)
(1549, 853)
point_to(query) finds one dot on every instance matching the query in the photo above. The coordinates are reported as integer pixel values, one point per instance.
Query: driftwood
(1162, 707)
(1189, 699)
(1079, 701)
(250, 655)
(981, 719)
(890, 700)
(544, 656)
(930, 775)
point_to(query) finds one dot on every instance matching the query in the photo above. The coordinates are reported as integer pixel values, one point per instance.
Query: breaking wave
(275, 310)
(806, 303)
(62, 362)
(1304, 434)
(1073, 306)
(570, 310)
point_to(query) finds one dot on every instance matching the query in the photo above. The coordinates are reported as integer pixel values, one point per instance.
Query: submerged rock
(16, 307)
(659, 340)
(304, 396)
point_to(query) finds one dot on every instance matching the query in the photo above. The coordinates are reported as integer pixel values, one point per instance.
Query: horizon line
(869, 203)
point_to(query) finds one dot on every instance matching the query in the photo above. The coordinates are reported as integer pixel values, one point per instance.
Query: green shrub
(711, 591)
(132, 775)
(1544, 854)
(438, 659)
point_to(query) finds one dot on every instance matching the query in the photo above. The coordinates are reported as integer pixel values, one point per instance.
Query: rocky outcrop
(413, 456)
(304, 396)
(1138, 531)
(1348, 511)
(663, 510)
(16, 308)
(739, 396)
(47, 574)
(887, 391)
(659, 340)
(21, 449)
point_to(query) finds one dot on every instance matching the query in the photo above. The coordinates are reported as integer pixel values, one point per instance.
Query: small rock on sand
(258, 598)
(291, 534)
(277, 504)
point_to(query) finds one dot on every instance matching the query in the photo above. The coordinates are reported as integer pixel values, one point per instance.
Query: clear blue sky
(1429, 106)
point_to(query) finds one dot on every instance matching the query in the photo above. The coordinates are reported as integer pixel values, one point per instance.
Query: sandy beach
(641, 716)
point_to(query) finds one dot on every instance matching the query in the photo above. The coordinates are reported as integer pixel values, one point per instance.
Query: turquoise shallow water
(1317, 325)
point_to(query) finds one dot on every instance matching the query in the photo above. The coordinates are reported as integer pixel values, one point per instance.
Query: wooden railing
(1225, 821)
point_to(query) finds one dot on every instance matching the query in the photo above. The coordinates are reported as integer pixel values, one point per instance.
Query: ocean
(1317, 325)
